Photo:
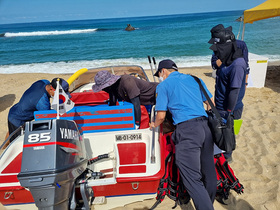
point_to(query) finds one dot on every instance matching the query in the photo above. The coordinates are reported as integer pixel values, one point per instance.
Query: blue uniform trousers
(195, 160)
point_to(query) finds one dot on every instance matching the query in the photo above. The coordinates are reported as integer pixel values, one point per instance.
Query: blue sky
(23, 11)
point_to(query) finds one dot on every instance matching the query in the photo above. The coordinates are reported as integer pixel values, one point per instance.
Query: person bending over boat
(36, 97)
(181, 95)
(126, 88)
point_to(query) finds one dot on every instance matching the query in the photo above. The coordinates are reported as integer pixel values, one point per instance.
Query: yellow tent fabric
(268, 9)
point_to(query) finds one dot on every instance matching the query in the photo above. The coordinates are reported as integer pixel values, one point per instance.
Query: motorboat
(91, 153)
(89, 157)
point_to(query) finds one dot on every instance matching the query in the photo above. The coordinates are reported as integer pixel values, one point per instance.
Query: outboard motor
(53, 158)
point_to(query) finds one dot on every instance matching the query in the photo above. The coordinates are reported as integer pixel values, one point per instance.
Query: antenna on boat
(149, 58)
(153, 156)
(154, 60)
(57, 95)
(155, 64)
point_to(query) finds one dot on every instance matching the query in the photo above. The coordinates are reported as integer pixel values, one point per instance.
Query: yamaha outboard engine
(52, 159)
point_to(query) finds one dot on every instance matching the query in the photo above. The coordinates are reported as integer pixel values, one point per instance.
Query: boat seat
(89, 98)
(100, 118)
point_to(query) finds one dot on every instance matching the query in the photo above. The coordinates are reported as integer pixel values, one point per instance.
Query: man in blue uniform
(230, 76)
(36, 97)
(181, 95)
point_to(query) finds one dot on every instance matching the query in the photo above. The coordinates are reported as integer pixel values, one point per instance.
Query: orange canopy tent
(268, 9)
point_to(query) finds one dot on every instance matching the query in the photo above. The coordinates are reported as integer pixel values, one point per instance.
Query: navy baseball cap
(64, 84)
(166, 64)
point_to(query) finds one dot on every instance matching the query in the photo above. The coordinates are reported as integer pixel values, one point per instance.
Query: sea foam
(49, 33)
(73, 66)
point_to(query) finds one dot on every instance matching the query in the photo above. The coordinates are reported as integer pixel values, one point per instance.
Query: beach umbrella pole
(243, 31)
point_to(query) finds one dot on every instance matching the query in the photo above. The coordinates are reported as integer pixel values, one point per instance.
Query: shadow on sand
(7, 101)
(232, 204)
(272, 78)
(208, 74)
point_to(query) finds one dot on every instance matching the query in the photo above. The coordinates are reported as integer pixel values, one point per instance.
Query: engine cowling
(53, 157)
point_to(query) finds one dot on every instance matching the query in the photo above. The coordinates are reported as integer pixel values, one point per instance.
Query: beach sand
(255, 160)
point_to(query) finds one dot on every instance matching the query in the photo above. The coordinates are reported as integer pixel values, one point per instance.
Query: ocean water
(67, 46)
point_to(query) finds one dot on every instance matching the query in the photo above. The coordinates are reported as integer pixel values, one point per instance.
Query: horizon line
(108, 18)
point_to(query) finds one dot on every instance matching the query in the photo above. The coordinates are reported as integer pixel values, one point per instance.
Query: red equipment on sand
(226, 180)
(172, 186)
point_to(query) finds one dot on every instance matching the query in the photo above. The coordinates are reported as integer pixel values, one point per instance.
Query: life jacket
(226, 180)
(171, 184)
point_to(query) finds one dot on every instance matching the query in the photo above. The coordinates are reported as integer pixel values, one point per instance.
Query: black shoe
(229, 160)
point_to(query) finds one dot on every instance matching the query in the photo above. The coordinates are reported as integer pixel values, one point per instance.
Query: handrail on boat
(76, 75)
(153, 157)
(84, 76)
(11, 135)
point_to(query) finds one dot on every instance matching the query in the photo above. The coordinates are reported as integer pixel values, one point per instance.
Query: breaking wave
(49, 33)
(69, 67)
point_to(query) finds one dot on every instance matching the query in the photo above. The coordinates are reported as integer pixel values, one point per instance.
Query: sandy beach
(255, 160)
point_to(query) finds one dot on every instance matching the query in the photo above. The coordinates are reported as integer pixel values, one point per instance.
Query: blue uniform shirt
(181, 95)
(34, 98)
(229, 77)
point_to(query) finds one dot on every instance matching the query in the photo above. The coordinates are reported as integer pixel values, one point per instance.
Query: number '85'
(38, 137)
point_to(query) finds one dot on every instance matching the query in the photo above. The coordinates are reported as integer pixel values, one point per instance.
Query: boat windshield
(88, 76)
